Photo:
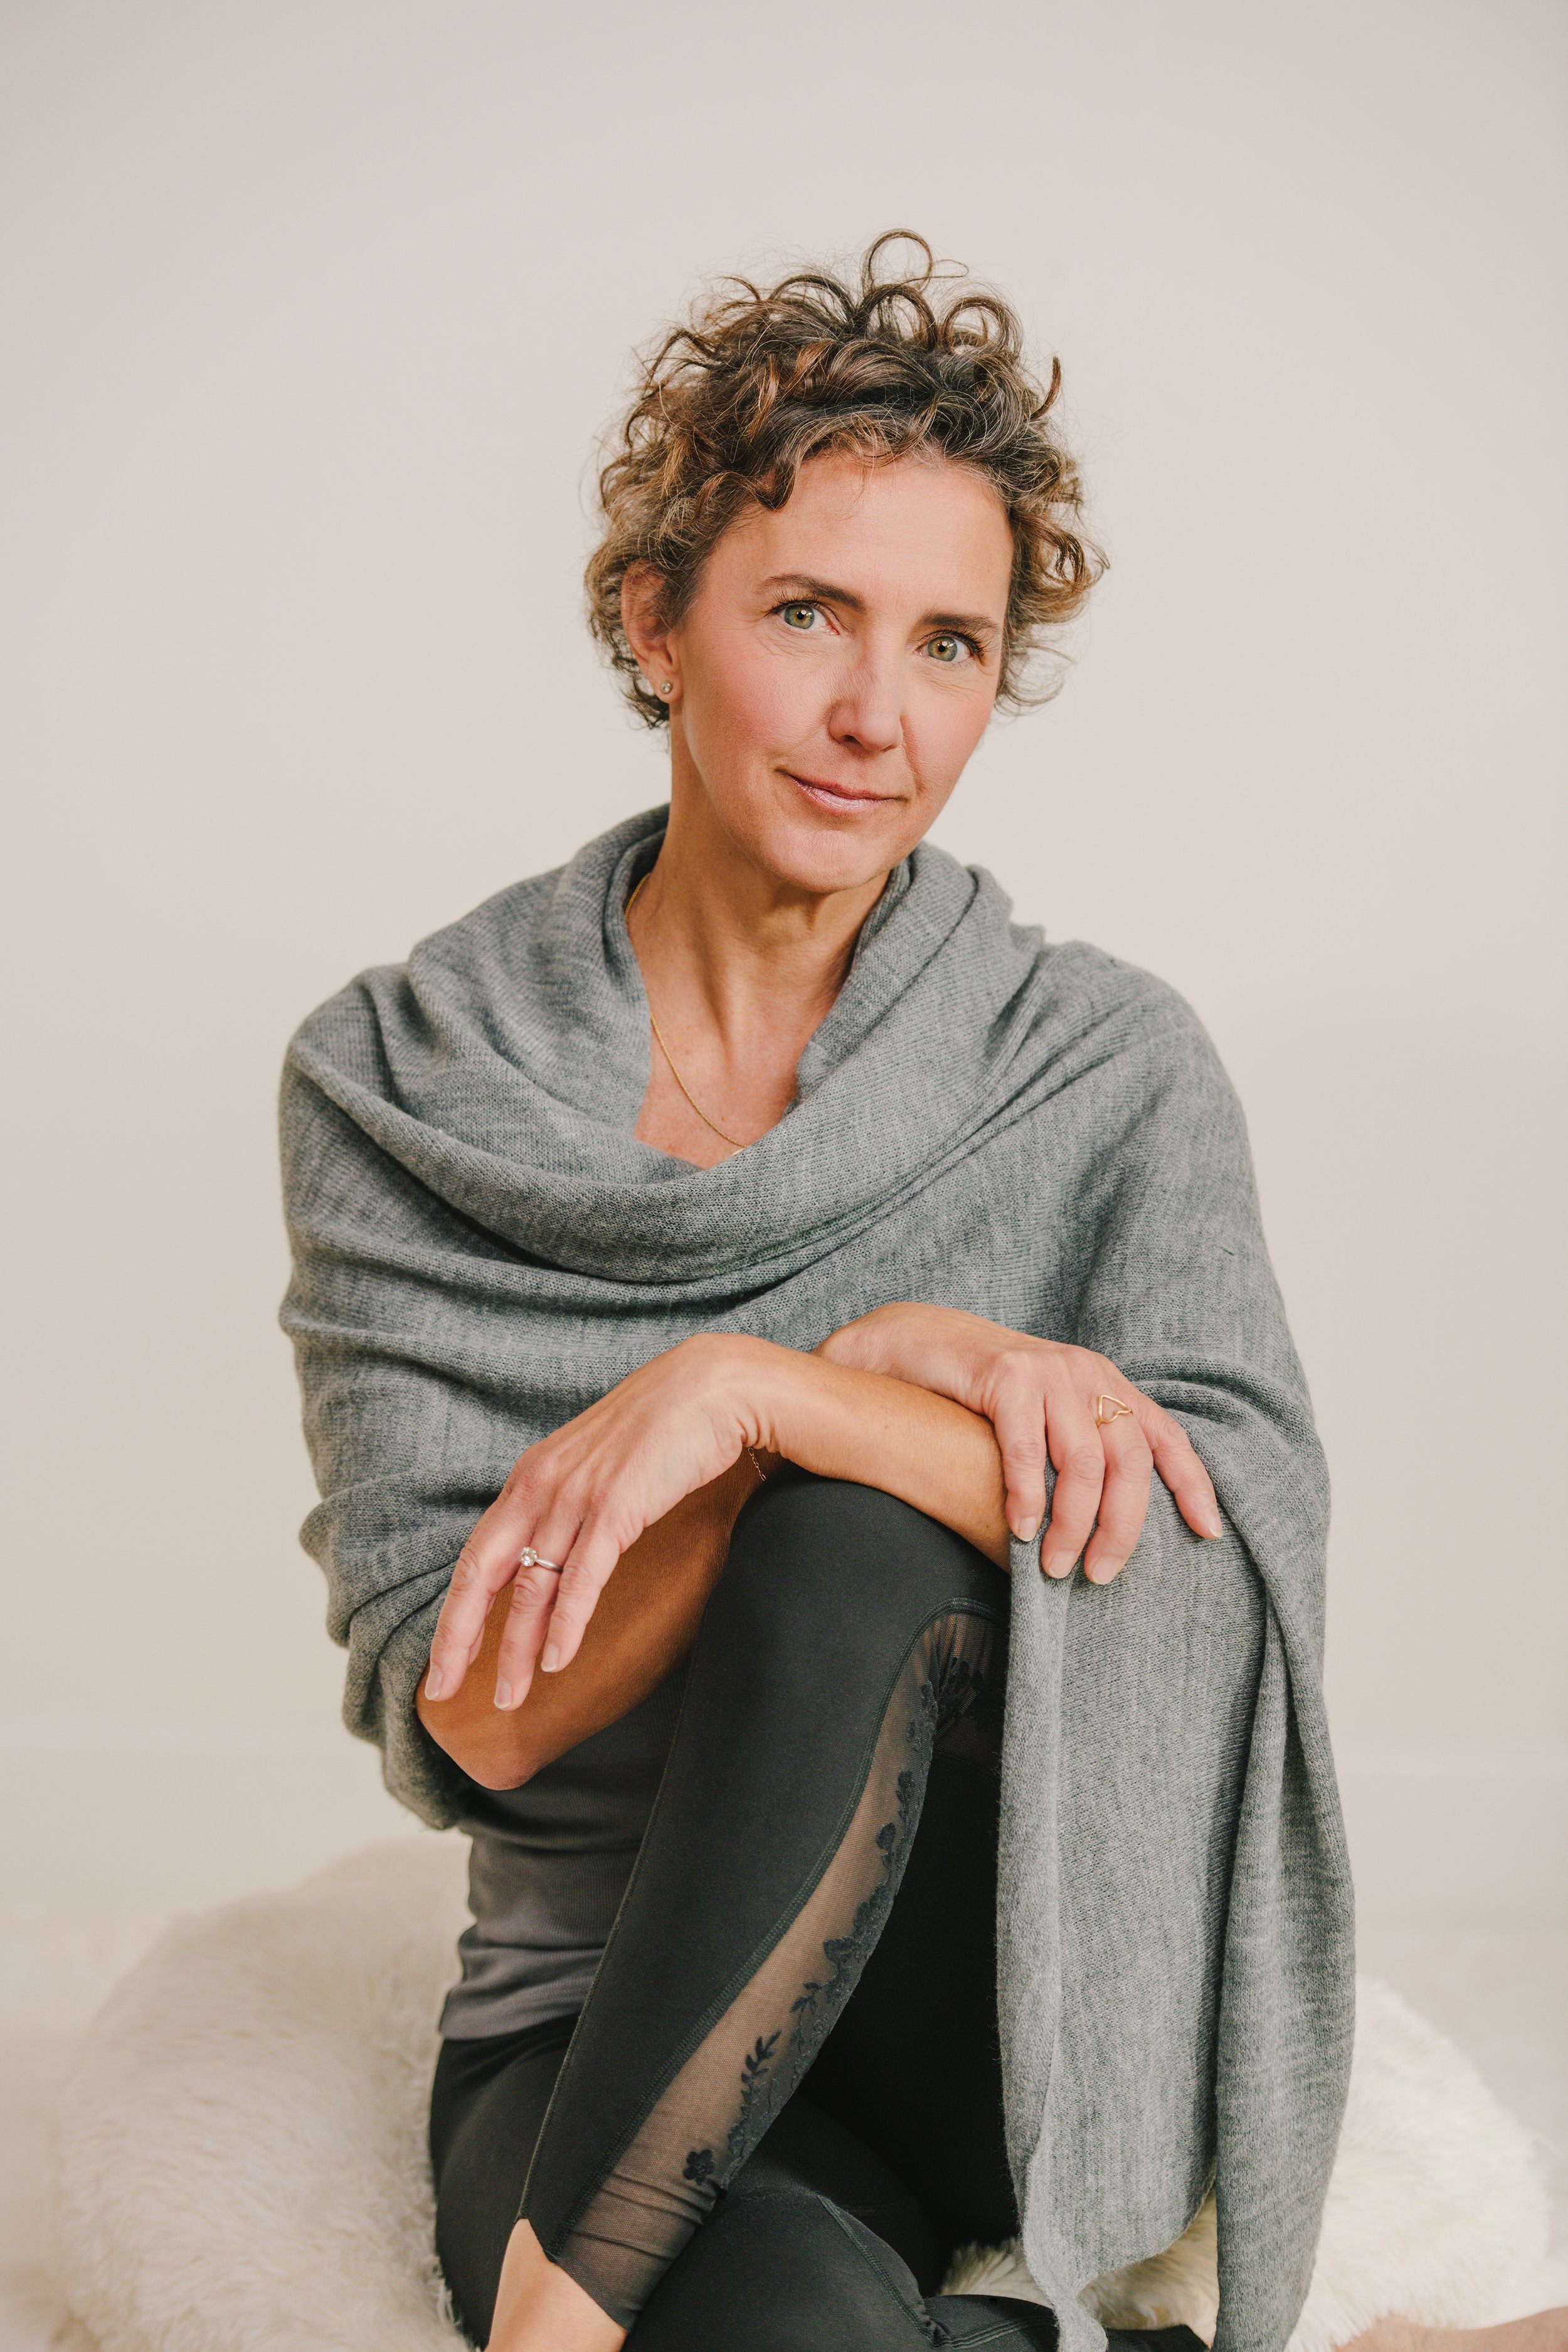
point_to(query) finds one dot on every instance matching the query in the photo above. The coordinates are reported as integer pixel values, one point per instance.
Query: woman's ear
(642, 618)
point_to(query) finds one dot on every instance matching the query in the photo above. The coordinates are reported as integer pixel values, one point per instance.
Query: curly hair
(730, 406)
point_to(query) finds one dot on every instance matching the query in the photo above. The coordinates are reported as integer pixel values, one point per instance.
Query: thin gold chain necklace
(722, 1132)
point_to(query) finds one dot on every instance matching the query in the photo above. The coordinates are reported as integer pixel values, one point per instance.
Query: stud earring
(668, 686)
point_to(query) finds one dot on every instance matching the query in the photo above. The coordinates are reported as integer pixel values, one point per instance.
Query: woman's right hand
(582, 1495)
(1042, 1398)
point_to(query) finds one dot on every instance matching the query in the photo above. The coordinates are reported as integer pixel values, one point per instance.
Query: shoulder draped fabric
(1040, 1134)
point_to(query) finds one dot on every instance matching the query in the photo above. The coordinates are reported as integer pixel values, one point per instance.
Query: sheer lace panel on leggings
(718, 2106)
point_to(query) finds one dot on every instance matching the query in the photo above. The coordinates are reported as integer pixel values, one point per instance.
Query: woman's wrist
(905, 1339)
(862, 1344)
(760, 1389)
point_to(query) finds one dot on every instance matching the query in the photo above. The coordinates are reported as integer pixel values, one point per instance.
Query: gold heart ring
(1109, 1408)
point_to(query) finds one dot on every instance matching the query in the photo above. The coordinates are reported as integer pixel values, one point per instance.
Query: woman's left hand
(1043, 1399)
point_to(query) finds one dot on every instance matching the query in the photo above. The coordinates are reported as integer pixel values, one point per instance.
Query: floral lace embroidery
(941, 1700)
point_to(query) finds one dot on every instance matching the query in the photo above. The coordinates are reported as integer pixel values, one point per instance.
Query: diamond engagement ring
(529, 1558)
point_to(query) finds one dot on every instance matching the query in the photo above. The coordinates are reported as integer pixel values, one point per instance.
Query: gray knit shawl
(1038, 1133)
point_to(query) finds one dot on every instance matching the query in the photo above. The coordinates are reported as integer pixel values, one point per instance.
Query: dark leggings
(780, 2110)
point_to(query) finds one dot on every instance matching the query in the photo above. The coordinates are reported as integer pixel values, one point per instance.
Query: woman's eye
(798, 616)
(949, 649)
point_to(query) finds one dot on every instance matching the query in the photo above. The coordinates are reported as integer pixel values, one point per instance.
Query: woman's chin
(822, 849)
(856, 867)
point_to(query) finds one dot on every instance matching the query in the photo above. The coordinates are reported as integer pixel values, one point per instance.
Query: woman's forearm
(880, 1432)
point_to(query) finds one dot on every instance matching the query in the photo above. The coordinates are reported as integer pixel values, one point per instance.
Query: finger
(1018, 1419)
(486, 1563)
(460, 1629)
(1178, 1465)
(527, 1613)
(1079, 1459)
(587, 1571)
(1124, 1503)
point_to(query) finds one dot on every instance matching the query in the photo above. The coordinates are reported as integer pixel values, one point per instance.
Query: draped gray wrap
(1038, 1133)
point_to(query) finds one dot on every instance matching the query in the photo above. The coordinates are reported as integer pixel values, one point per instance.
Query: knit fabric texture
(1035, 1133)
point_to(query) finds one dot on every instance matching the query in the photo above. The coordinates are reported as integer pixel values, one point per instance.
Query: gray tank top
(548, 1868)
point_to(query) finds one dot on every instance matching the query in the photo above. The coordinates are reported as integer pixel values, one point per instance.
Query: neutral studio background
(313, 310)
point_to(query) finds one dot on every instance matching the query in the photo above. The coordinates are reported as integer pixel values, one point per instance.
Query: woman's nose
(870, 709)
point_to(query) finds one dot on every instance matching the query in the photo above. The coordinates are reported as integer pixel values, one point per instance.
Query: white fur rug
(242, 2164)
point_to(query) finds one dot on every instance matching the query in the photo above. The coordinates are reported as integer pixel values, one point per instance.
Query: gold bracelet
(761, 1474)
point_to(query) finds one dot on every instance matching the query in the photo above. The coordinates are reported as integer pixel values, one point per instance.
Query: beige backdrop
(313, 308)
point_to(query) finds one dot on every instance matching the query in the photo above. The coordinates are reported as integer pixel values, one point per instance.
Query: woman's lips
(843, 799)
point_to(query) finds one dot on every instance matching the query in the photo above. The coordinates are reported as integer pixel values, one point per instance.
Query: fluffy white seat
(243, 2146)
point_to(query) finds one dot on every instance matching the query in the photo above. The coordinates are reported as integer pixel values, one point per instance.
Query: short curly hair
(730, 406)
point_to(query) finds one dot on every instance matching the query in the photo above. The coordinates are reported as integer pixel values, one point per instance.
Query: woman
(816, 1284)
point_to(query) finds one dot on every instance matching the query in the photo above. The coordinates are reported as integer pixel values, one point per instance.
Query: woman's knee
(814, 1556)
(827, 1591)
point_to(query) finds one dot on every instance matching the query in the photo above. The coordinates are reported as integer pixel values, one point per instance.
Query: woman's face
(837, 664)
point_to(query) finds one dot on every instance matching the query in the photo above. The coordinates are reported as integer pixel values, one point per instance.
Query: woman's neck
(740, 969)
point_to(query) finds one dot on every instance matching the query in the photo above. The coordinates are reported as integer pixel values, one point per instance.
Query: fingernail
(1058, 1567)
(1102, 1572)
(551, 1659)
(1213, 1525)
(1027, 1530)
(433, 1683)
(503, 1694)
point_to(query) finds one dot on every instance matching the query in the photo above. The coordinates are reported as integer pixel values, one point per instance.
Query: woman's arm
(651, 1477)
(877, 1429)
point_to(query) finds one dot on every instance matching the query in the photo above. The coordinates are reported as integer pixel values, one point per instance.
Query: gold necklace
(722, 1132)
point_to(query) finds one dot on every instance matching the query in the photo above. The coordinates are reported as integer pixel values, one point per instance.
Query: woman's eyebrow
(971, 624)
(806, 584)
(809, 586)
